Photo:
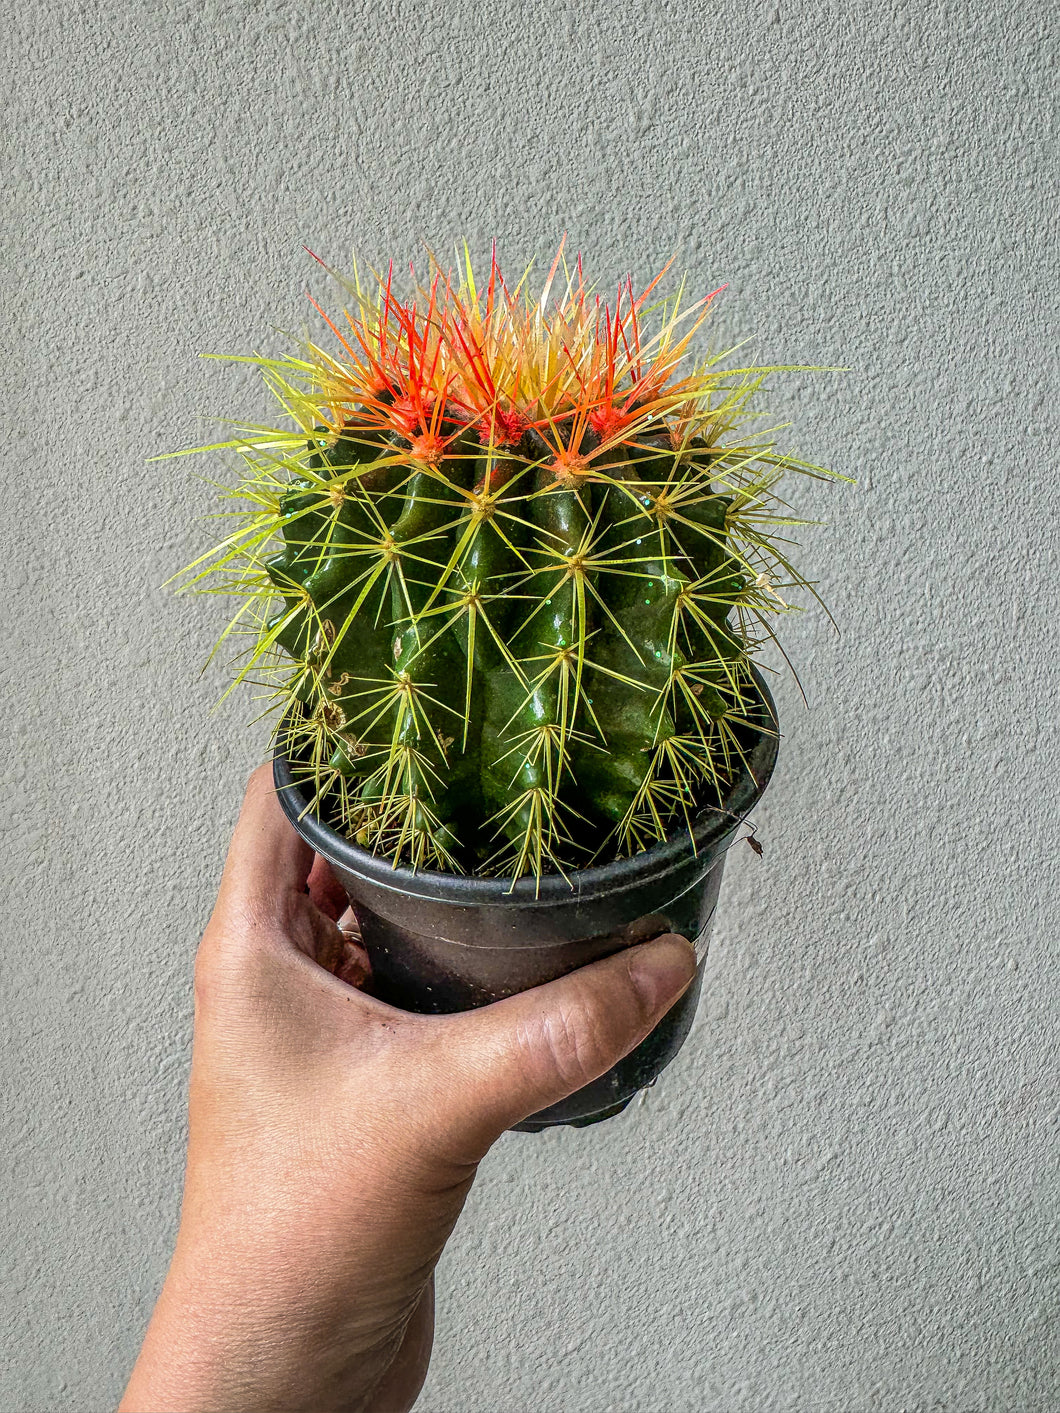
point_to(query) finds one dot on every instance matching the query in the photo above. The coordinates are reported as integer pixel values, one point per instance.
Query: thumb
(531, 1050)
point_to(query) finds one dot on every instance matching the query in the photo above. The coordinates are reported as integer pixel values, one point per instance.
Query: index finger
(267, 861)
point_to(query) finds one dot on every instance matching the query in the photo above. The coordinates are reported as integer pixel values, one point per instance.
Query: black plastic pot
(442, 942)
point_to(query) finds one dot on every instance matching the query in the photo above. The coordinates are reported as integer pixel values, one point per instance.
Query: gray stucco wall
(844, 1195)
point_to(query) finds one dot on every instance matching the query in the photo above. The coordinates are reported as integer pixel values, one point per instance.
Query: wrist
(238, 1329)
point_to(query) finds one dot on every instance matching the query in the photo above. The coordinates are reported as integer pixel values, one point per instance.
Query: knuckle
(260, 776)
(205, 981)
(220, 963)
(576, 1041)
(208, 977)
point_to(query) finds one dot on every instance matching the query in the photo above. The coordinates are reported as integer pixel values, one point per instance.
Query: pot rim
(709, 828)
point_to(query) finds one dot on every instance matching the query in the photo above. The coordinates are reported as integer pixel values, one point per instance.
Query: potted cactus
(505, 573)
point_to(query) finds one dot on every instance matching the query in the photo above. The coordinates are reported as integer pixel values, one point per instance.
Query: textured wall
(844, 1194)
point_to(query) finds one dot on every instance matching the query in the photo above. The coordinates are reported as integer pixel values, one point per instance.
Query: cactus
(507, 574)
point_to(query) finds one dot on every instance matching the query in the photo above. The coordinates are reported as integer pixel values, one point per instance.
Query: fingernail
(662, 970)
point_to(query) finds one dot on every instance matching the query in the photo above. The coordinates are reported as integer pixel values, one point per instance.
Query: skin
(333, 1139)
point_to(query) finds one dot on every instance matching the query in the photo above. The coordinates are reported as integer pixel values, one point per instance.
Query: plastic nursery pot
(443, 942)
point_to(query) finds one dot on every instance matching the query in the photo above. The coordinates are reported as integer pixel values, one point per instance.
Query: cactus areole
(506, 569)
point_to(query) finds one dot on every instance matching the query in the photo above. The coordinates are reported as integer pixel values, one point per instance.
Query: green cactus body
(517, 600)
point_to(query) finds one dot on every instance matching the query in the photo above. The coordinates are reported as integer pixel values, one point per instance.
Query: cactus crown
(506, 573)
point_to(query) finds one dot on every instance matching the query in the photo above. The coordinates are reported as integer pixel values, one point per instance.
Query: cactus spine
(508, 570)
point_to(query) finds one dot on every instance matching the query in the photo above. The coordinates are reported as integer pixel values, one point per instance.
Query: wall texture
(844, 1195)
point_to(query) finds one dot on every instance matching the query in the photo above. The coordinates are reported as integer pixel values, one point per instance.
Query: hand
(333, 1139)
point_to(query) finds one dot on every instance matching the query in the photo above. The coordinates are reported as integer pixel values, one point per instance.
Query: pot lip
(709, 828)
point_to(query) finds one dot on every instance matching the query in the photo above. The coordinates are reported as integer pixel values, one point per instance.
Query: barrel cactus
(506, 570)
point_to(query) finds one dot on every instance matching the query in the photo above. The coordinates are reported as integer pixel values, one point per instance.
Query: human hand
(334, 1139)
